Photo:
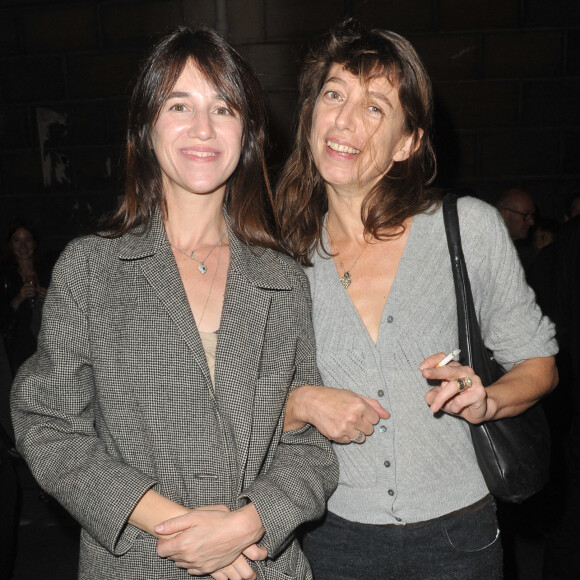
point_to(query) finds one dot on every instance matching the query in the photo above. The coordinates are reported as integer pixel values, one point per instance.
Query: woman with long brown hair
(170, 342)
(357, 211)
(24, 277)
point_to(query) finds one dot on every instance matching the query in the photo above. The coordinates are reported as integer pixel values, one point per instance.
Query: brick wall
(506, 75)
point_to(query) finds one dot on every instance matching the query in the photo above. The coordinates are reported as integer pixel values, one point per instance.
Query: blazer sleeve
(54, 406)
(304, 472)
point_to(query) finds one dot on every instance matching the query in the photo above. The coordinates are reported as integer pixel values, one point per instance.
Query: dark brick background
(506, 75)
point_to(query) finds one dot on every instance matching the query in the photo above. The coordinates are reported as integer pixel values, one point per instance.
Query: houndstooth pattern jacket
(118, 400)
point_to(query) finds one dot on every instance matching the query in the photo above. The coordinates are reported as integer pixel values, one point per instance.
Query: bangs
(224, 78)
(219, 68)
(369, 67)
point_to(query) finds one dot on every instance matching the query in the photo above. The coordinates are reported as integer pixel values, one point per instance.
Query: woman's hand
(26, 291)
(339, 414)
(517, 390)
(40, 294)
(239, 569)
(212, 539)
(470, 403)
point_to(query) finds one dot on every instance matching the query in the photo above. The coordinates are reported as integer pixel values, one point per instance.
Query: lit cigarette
(449, 357)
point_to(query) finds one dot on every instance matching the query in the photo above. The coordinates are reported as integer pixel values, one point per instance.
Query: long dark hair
(6, 255)
(301, 201)
(248, 198)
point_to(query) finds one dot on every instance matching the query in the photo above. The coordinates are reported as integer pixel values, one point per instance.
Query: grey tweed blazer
(118, 400)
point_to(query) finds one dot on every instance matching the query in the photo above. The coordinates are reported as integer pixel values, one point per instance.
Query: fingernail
(159, 528)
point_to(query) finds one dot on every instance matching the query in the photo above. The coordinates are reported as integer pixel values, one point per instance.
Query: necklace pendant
(202, 268)
(192, 255)
(345, 280)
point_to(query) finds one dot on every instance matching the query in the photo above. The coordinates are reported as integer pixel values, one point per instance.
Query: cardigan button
(390, 318)
(391, 492)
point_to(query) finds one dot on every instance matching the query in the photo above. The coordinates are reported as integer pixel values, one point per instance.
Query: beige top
(209, 341)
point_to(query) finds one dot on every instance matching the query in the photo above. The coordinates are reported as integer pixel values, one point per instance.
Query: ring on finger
(358, 438)
(463, 383)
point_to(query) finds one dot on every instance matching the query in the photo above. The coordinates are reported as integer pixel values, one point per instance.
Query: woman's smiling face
(357, 131)
(197, 137)
(22, 244)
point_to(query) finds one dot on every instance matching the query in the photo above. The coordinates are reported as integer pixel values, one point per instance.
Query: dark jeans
(461, 547)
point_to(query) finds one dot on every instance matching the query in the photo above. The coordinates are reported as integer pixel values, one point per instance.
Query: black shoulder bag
(513, 453)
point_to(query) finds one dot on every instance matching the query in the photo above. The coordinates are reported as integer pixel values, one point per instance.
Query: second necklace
(200, 263)
(346, 278)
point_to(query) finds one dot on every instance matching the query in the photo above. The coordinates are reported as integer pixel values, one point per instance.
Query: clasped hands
(28, 291)
(213, 540)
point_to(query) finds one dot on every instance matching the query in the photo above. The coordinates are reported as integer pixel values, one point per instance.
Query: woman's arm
(339, 414)
(53, 411)
(152, 509)
(525, 384)
(522, 386)
(511, 322)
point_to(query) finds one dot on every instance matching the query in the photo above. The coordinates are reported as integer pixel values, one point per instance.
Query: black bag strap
(473, 351)
(460, 276)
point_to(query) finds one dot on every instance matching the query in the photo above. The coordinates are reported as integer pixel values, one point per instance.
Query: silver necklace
(346, 278)
(191, 254)
(210, 288)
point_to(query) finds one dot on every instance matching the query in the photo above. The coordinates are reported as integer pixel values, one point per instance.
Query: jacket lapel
(152, 251)
(254, 276)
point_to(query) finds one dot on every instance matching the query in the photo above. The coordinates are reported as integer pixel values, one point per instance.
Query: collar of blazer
(260, 266)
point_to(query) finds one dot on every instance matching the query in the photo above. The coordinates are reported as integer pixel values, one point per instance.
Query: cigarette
(449, 357)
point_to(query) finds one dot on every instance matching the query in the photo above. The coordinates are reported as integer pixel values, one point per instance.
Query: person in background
(517, 208)
(544, 233)
(356, 210)
(154, 406)
(562, 557)
(540, 274)
(23, 282)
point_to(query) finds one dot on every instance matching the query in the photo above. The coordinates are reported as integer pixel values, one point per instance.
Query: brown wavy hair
(248, 197)
(301, 201)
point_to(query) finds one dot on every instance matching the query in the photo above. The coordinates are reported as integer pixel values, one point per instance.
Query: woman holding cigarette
(356, 211)
(153, 409)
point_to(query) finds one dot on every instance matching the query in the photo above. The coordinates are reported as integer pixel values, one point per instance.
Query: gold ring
(463, 384)
(358, 438)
